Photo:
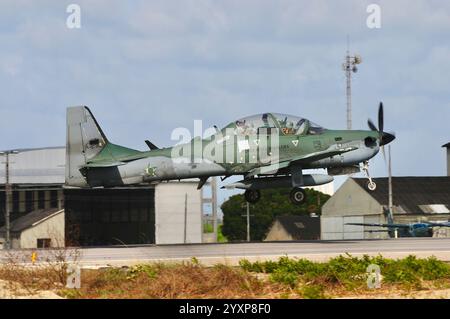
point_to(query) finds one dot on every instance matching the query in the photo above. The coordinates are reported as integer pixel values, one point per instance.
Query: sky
(147, 67)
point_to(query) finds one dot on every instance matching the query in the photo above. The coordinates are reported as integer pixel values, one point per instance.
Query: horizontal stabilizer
(111, 164)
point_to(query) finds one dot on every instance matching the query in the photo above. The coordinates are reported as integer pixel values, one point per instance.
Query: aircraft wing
(268, 169)
(447, 224)
(312, 157)
(380, 225)
(273, 168)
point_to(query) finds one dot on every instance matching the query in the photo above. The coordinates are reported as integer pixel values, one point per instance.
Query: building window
(44, 243)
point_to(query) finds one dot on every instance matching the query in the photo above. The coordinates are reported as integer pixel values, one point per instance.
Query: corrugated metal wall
(35, 166)
(169, 207)
(334, 228)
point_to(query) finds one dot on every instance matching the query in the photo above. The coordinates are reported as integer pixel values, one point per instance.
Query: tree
(273, 203)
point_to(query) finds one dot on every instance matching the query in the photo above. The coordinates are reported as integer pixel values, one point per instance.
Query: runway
(210, 254)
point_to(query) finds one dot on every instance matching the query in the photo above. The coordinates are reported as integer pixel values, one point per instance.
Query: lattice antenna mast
(349, 67)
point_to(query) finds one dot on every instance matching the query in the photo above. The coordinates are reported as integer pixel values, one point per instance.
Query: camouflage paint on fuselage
(111, 165)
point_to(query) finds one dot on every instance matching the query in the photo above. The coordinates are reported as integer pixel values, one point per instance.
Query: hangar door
(110, 216)
(334, 228)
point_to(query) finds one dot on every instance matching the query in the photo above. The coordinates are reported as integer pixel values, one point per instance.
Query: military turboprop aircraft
(424, 229)
(269, 150)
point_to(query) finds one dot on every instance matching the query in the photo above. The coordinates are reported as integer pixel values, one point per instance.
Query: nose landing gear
(371, 185)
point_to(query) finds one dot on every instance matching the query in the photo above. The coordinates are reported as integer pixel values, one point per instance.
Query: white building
(39, 229)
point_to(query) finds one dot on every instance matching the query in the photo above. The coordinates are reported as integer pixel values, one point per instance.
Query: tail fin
(84, 140)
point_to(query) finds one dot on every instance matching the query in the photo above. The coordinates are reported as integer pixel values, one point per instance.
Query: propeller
(384, 137)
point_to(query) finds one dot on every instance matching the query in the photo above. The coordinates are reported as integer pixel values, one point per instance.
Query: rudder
(84, 140)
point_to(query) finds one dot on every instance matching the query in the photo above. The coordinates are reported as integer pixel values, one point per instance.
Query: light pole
(7, 244)
(248, 222)
(248, 219)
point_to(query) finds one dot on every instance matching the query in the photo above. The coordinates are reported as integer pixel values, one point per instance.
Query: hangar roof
(415, 195)
(36, 166)
(20, 224)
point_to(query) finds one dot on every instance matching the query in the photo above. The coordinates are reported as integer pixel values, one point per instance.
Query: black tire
(252, 195)
(372, 187)
(297, 196)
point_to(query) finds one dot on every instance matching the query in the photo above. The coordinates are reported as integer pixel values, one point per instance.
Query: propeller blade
(386, 138)
(371, 125)
(380, 119)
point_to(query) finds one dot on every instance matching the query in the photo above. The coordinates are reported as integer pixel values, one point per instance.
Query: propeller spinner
(384, 137)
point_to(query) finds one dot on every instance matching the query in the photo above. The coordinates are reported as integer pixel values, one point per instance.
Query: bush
(285, 277)
(147, 269)
(349, 271)
(312, 292)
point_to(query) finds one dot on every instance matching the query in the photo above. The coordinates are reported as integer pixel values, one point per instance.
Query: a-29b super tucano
(269, 150)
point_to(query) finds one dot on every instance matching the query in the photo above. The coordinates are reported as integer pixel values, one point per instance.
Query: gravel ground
(10, 290)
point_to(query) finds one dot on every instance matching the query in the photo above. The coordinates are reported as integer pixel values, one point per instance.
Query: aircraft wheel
(298, 196)
(371, 186)
(252, 195)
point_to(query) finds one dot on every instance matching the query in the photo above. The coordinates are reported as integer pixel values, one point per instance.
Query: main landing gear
(252, 195)
(370, 184)
(297, 196)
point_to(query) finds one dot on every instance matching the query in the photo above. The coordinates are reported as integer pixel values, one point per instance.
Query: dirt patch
(13, 290)
(423, 294)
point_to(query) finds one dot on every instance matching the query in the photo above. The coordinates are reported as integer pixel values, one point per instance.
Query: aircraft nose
(386, 138)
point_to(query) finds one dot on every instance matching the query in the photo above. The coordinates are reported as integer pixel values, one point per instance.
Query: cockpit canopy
(266, 123)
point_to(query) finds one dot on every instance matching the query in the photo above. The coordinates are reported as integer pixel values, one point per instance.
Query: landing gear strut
(370, 184)
(297, 196)
(252, 195)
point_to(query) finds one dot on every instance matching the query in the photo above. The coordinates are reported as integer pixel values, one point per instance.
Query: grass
(284, 278)
(187, 280)
(350, 273)
(220, 236)
(208, 228)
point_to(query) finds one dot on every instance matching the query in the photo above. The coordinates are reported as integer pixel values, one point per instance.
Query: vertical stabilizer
(84, 140)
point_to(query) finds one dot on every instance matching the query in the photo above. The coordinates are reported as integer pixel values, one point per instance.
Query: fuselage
(239, 155)
(416, 230)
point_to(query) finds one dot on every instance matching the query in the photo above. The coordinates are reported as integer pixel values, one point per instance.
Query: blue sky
(147, 67)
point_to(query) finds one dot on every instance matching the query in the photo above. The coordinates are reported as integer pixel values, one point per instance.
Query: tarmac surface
(210, 254)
